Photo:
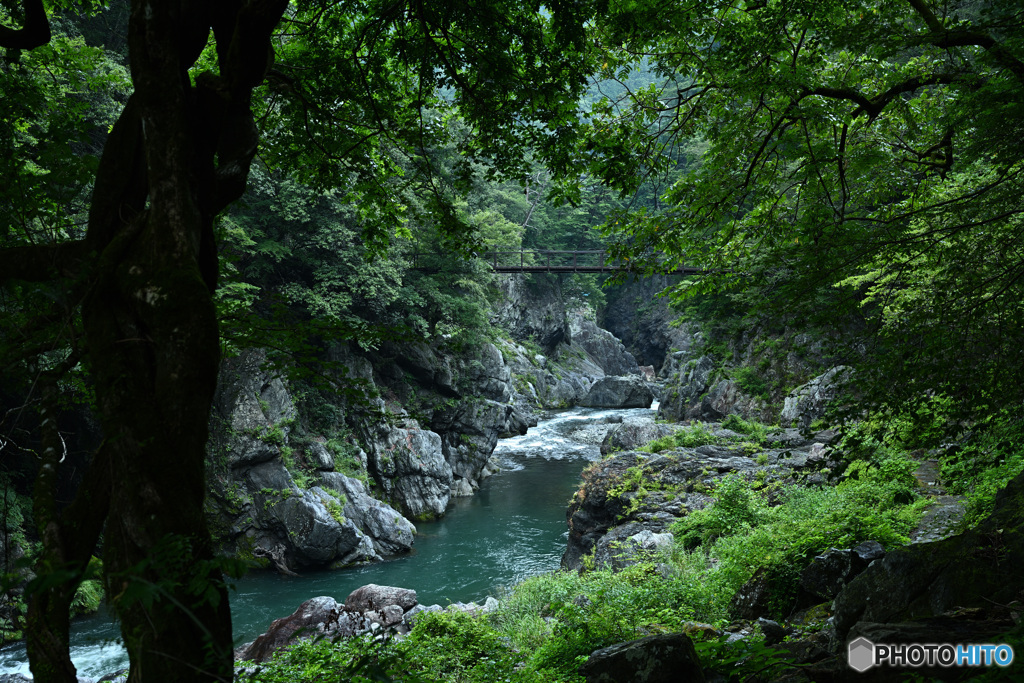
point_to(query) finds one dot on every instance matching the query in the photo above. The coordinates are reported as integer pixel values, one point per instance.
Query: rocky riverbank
(306, 478)
(630, 499)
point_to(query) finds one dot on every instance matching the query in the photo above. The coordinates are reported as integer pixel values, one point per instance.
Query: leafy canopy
(862, 165)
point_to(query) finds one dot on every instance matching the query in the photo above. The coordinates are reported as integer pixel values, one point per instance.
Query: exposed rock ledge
(368, 608)
(603, 522)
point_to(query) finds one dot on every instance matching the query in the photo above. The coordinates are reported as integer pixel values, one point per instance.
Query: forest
(185, 182)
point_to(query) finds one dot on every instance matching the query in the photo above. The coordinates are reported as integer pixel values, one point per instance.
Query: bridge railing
(535, 260)
(541, 261)
(547, 259)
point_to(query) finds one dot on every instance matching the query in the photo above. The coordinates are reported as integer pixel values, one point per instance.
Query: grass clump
(755, 430)
(689, 437)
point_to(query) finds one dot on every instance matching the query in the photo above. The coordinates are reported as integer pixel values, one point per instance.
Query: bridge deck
(546, 261)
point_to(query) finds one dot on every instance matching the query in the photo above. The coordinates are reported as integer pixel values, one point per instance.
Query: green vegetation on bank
(547, 626)
(688, 437)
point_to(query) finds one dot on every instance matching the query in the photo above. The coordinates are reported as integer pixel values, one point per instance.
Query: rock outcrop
(668, 658)
(390, 532)
(692, 393)
(645, 323)
(808, 402)
(607, 523)
(634, 432)
(542, 382)
(533, 312)
(257, 507)
(601, 345)
(555, 353)
(976, 569)
(411, 469)
(619, 392)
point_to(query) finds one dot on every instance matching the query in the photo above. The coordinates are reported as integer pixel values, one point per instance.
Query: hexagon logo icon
(861, 654)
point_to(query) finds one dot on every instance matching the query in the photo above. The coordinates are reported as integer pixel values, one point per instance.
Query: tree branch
(939, 36)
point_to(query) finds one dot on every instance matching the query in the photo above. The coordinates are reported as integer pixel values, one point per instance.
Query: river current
(512, 529)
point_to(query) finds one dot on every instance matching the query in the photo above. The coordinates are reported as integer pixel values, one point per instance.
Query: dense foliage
(861, 169)
(110, 266)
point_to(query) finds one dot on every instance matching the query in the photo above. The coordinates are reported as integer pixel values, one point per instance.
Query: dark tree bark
(178, 154)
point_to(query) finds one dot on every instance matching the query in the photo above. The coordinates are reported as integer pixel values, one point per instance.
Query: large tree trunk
(154, 351)
(178, 154)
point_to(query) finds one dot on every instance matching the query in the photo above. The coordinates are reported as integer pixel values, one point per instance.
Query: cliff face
(643, 321)
(306, 477)
(313, 493)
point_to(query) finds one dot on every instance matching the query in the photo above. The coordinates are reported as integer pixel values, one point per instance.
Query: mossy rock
(977, 568)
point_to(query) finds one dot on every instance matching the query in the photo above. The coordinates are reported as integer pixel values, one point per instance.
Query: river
(513, 528)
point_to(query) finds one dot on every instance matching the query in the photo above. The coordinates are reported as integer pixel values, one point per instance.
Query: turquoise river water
(513, 528)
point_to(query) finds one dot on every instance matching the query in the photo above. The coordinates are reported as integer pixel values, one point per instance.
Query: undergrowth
(689, 437)
(548, 625)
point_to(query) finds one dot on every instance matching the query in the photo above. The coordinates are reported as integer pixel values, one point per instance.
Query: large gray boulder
(320, 457)
(629, 544)
(301, 522)
(602, 346)
(634, 432)
(808, 402)
(317, 616)
(411, 467)
(668, 658)
(366, 608)
(684, 387)
(619, 392)
(374, 597)
(390, 532)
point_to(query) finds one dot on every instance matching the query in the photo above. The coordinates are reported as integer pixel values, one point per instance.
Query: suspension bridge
(544, 261)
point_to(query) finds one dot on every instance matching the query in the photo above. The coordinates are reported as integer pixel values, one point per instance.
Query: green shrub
(742, 533)
(985, 462)
(273, 436)
(689, 437)
(87, 598)
(757, 431)
(90, 592)
(350, 660)
(458, 646)
(345, 449)
(750, 382)
(736, 506)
